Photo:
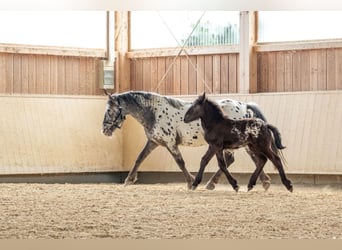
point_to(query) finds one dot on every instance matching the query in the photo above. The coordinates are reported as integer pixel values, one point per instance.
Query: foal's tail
(276, 135)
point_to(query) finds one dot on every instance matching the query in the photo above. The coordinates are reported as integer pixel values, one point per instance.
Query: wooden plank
(69, 76)
(224, 74)
(233, 73)
(262, 72)
(280, 71)
(39, 74)
(169, 76)
(208, 74)
(53, 75)
(16, 73)
(96, 80)
(46, 75)
(133, 74)
(192, 75)
(32, 65)
(272, 69)
(298, 45)
(216, 74)
(51, 50)
(296, 71)
(176, 77)
(75, 75)
(139, 75)
(160, 88)
(154, 73)
(313, 82)
(2, 73)
(322, 69)
(305, 70)
(82, 77)
(146, 74)
(9, 73)
(339, 69)
(331, 69)
(288, 71)
(200, 74)
(24, 74)
(184, 76)
(61, 76)
(171, 52)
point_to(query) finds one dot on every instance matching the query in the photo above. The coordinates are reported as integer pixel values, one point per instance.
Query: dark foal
(221, 133)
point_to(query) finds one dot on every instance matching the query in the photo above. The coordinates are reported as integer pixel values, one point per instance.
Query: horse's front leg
(132, 175)
(204, 162)
(229, 159)
(174, 150)
(224, 169)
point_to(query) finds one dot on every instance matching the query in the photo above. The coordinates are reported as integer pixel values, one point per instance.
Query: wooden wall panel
(186, 75)
(48, 135)
(309, 123)
(47, 74)
(300, 70)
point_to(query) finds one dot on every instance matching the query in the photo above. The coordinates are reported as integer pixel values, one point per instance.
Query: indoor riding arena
(61, 178)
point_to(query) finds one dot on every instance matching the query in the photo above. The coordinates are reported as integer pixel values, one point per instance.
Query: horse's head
(114, 115)
(196, 109)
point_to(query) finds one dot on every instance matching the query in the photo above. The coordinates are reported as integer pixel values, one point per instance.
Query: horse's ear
(106, 92)
(202, 97)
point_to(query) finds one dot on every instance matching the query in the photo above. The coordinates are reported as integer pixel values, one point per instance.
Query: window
(276, 26)
(81, 29)
(153, 29)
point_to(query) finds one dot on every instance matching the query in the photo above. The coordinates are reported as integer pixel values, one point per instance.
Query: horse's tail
(276, 135)
(256, 110)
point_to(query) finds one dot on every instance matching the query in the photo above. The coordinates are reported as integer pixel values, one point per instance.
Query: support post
(122, 46)
(247, 57)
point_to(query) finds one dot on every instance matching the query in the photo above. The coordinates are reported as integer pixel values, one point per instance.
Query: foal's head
(113, 117)
(202, 107)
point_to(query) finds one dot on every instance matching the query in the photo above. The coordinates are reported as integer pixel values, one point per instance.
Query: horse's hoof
(130, 182)
(237, 188)
(249, 189)
(193, 187)
(210, 186)
(290, 189)
(266, 185)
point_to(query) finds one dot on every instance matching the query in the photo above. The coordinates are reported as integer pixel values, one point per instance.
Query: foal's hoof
(266, 185)
(237, 188)
(210, 186)
(193, 187)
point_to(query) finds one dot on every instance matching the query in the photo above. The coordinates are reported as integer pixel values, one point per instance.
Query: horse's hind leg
(229, 159)
(174, 150)
(224, 169)
(132, 175)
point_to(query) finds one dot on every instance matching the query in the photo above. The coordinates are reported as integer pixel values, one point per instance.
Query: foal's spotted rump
(252, 129)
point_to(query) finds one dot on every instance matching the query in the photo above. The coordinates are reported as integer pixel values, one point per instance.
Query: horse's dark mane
(149, 96)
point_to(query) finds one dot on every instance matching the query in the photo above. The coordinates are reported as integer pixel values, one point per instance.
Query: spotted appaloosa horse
(221, 132)
(162, 119)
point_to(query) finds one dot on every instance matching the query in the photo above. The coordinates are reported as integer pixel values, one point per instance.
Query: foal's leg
(265, 179)
(224, 169)
(260, 161)
(174, 150)
(204, 162)
(229, 159)
(132, 175)
(279, 165)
